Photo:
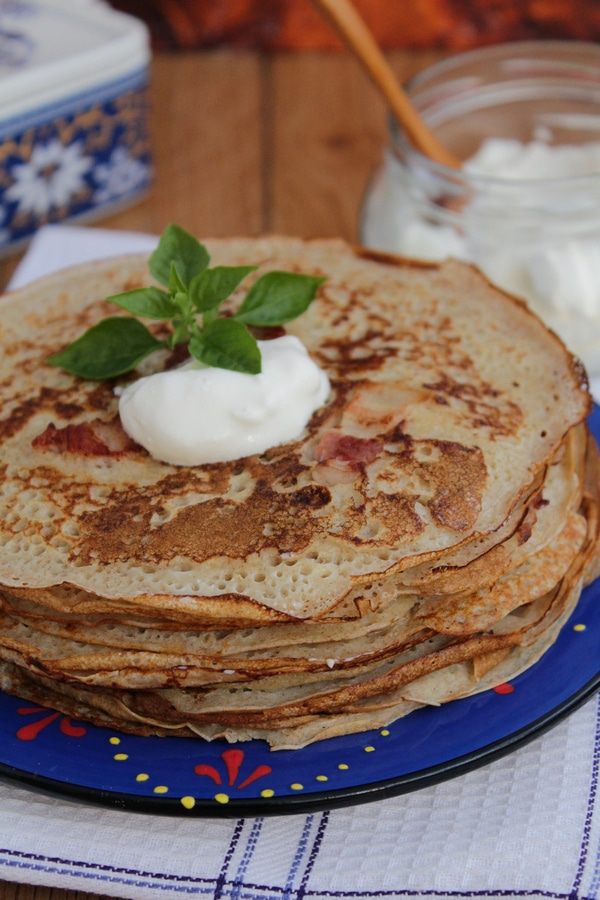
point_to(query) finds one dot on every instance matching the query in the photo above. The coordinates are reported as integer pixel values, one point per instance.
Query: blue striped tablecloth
(526, 826)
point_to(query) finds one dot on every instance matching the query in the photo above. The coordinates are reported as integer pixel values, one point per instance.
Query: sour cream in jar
(525, 208)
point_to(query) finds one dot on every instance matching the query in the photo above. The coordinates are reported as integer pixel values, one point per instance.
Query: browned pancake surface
(465, 394)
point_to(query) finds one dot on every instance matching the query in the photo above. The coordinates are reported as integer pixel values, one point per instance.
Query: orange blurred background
(294, 25)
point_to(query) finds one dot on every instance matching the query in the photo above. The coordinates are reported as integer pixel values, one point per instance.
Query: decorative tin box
(74, 138)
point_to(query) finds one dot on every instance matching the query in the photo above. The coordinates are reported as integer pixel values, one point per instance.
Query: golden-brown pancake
(297, 595)
(466, 393)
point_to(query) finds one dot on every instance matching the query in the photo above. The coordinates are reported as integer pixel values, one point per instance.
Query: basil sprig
(190, 303)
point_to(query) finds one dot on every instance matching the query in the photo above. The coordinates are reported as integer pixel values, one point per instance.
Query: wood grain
(206, 128)
(206, 136)
(245, 144)
(327, 126)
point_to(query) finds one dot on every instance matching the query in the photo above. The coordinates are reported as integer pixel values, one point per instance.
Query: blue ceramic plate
(193, 777)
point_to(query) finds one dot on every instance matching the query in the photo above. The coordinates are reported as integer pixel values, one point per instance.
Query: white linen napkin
(58, 246)
(527, 825)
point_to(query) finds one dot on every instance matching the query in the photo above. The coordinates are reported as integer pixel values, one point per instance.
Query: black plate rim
(316, 801)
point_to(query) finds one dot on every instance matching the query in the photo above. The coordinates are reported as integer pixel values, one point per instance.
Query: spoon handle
(355, 34)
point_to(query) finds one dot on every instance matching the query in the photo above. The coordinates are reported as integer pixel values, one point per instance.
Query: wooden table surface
(246, 144)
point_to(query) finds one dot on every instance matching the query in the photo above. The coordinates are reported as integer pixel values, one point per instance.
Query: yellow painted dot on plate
(188, 802)
(579, 627)
(143, 776)
(384, 732)
(267, 793)
(344, 767)
(221, 798)
(161, 789)
(322, 778)
(369, 749)
(120, 757)
(296, 786)
(114, 740)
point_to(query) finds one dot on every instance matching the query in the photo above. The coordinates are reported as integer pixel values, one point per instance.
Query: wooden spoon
(354, 32)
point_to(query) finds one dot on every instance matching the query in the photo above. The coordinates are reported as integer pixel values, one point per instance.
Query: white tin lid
(50, 49)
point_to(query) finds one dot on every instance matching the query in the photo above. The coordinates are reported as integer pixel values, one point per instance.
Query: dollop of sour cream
(194, 415)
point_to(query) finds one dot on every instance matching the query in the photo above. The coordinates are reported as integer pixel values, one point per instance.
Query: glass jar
(538, 238)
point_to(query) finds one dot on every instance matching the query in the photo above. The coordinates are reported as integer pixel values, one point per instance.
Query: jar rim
(508, 48)
(444, 67)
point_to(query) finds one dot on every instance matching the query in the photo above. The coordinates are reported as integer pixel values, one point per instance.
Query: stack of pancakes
(425, 538)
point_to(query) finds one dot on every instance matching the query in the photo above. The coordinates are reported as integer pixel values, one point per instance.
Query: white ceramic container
(74, 140)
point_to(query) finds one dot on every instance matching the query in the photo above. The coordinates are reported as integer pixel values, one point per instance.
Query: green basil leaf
(209, 316)
(182, 303)
(277, 298)
(175, 279)
(227, 344)
(150, 303)
(211, 287)
(181, 333)
(110, 348)
(178, 246)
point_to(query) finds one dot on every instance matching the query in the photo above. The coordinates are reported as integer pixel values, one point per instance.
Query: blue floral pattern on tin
(78, 163)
